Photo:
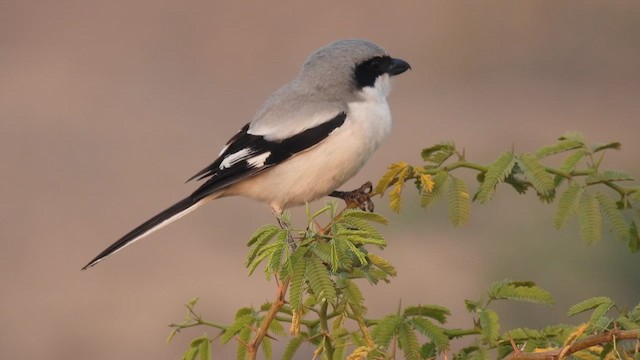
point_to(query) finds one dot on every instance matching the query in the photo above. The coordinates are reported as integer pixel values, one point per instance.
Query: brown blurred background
(107, 107)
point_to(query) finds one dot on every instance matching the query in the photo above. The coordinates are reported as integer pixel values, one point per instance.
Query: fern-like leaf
(292, 347)
(521, 291)
(395, 196)
(588, 304)
(627, 323)
(353, 296)
(386, 329)
(440, 179)
(607, 175)
(238, 324)
(497, 172)
(199, 348)
(522, 334)
(297, 279)
(490, 327)
(439, 153)
(259, 238)
(274, 263)
(613, 215)
(320, 281)
(243, 336)
(567, 205)
(382, 264)
(322, 250)
(433, 332)
(600, 311)
(408, 342)
(559, 147)
(389, 178)
(535, 173)
(572, 160)
(590, 219)
(340, 258)
(350, 214)
(436, 312)
(459, 201)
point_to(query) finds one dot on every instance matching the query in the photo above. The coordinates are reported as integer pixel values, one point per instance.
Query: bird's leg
(283, 225)
(358, 198)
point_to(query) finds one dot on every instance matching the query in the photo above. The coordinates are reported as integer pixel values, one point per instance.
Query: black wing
(247, 155)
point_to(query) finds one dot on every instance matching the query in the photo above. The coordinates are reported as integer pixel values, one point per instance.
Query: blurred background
(107, 107)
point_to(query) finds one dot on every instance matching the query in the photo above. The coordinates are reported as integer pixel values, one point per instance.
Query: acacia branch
(252, 347)
(597, 339)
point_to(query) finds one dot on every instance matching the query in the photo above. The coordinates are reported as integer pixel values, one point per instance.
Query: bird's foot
(359, 198)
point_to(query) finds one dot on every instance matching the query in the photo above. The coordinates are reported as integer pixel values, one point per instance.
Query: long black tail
(157, 222)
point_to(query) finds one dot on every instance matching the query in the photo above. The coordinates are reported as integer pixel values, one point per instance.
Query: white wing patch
(259, 160)
(286, 128)
(235, 158)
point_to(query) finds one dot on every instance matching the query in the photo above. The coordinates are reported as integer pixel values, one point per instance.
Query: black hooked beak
(397, 67)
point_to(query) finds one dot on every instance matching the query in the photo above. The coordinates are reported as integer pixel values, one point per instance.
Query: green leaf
(590, 219)
(535, 173)
(588, 304)
(567, 205)
(297, 279)
(440, 179)
(265, 251)
(433, 332)
(349, 215)
(340, 258)
(382, 264)
(265, 345)
(600, 311)
(395, 196)
(385, 330)
(522, 334)
(353, 296)
(190, 354)
(607, 175)
(243, 336)
(436, 312)
(292, 347)
(408, 342)
(521, 291)
(497, 173)
(259, 238)
(572, 160)
(559, 147)
(320, 281)
(611, 145)
(627, 323)
(389, 177)
(238, 324)
(489, 326)
(199, 347)
(459, 201)
(613, 215)
(438, 154)
(275, 258)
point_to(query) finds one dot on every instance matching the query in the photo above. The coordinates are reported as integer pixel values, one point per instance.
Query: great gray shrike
(309, 137)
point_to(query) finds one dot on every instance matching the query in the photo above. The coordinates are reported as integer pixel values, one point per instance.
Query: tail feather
(157, 222)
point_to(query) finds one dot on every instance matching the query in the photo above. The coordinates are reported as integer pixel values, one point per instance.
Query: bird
(308, 138)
